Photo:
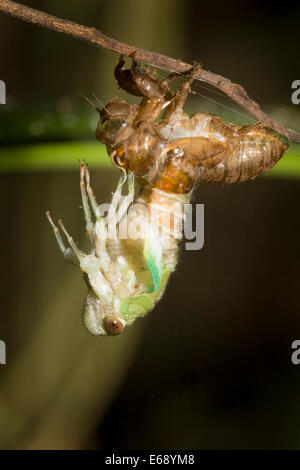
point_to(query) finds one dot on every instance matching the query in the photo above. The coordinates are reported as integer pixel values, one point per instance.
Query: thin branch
(97, 38)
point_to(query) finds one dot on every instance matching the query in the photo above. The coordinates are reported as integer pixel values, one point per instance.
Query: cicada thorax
(169, 166)
(250, 151)
(181, 171)
(165, 209)
(142, 153)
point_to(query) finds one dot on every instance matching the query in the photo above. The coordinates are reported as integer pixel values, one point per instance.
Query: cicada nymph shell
(126, 275)
(181, 151)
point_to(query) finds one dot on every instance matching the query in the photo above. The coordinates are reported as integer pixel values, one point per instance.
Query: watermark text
(2, 92)
(2, 352)
(296, 94)
(295, 358)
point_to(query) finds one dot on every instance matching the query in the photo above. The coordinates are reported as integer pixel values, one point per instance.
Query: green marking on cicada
(153, 258)
(136, 307)
(140, 305)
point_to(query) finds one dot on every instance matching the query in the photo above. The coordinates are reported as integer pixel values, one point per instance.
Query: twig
(97, 38)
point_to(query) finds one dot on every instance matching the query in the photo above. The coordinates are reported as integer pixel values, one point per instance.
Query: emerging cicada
(127, 275)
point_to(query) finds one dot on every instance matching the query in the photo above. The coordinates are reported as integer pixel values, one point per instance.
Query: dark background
(210, 367)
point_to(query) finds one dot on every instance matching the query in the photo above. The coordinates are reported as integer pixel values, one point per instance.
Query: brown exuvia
(178, 151)
(169, 152)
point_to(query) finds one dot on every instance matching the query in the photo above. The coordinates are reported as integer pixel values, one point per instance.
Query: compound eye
(114, 125)
(113, 326)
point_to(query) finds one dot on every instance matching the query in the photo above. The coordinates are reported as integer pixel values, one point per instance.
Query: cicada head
(98, 321)
(115, 123)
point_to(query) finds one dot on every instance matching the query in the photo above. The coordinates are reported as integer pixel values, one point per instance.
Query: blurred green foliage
(44, 140)
(65, 155)
(53, 156)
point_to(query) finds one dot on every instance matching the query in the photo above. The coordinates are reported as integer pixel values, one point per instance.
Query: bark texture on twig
(97, 38)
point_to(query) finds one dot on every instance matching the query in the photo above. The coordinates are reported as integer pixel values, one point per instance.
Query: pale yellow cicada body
(125, 276)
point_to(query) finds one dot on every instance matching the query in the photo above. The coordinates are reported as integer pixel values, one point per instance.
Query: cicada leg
(181, 95)
(68, 253)
(89, 263)
(85, 203)
(116, 199)
(115, 214)
(139, 80)
(172, 76)
(71, 242)
(127, 201)
(99, 232)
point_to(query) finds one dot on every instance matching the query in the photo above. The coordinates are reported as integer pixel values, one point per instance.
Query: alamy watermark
(161, 221)
(2, 92)
(195, 237)
(2, 352)
(295, 358)
(296, 94)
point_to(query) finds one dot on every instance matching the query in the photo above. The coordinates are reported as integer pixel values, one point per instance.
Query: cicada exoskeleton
(169, 156)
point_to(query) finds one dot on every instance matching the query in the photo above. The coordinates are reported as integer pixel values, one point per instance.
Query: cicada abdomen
(153, 230)
(179, 151)
(250, 151)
